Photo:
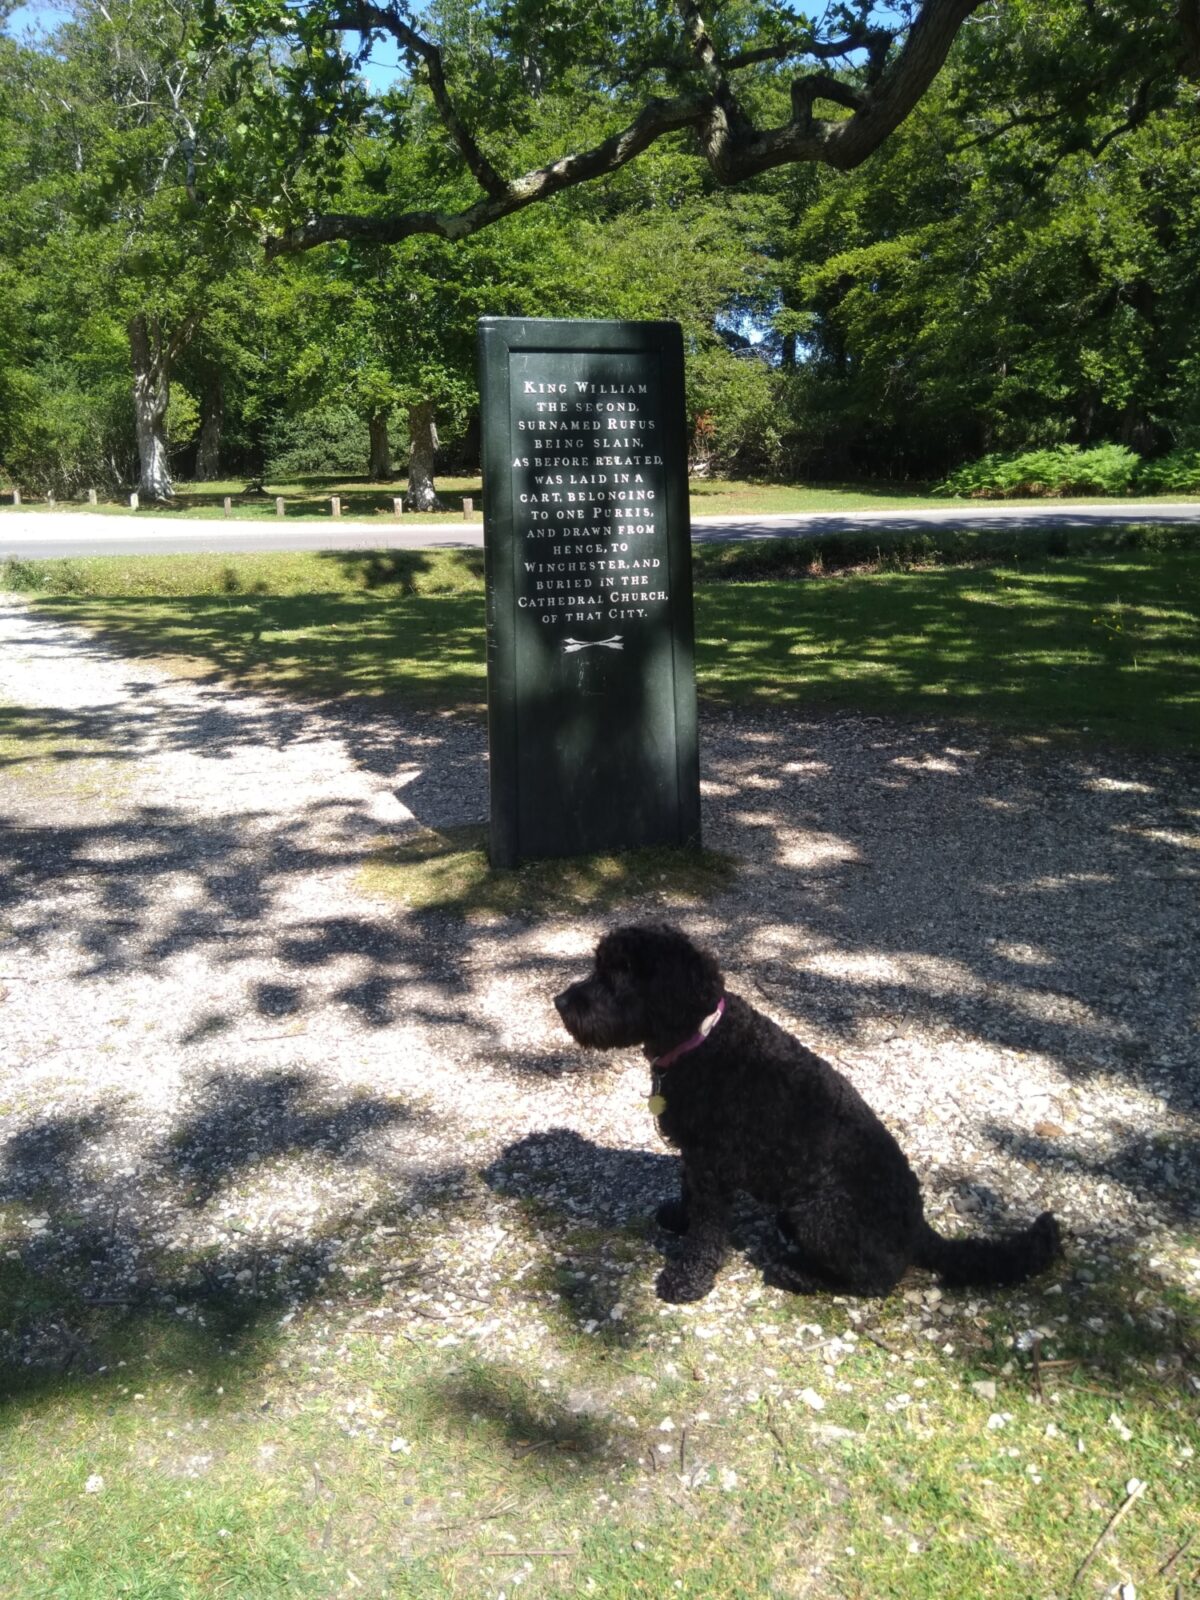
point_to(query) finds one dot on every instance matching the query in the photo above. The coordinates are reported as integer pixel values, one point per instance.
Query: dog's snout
(560, 1002)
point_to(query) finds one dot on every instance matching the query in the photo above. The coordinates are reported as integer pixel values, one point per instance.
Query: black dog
(751, 1109)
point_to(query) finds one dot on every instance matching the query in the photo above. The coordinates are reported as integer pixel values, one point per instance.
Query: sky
(379, 71)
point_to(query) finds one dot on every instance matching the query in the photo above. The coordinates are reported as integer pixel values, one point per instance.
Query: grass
(362, 499)
(1098, 646)
(353, 1447)
(36, 750)
(1092, 632)
(450, 872)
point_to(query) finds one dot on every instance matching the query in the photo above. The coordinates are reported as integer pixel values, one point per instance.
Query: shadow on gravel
(103, 1264)
(1097, 1316)
(1161, 1165)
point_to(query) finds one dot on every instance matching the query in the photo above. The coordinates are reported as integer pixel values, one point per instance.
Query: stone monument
(591, 683)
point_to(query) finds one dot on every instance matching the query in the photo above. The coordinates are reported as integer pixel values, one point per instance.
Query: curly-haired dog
(751, 1109)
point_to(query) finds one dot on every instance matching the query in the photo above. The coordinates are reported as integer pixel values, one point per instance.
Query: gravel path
(220, 1057)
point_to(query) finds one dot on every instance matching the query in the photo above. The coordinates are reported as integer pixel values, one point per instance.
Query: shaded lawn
(1101, 645)
(1106, 647)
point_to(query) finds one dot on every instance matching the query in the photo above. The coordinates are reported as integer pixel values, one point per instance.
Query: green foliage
(1176, 473)
(329, 437)
(1015, 270)
(61, 438)
(183, 417)
(1060, 470)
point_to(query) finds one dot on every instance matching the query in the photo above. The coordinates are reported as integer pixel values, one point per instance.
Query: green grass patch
(37, 746)
(249, 575)
(1105, 647)
(864, 550)
(449, 871)
(1080, 631)
(784, 1448)
(307, 496)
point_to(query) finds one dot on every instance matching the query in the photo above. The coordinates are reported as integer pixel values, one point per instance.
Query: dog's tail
(1013, 1257)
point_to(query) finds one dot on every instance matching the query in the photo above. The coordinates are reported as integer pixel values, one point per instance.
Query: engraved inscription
(588, 502)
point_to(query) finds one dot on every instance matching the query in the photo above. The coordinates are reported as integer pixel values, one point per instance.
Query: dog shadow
(564, 1176)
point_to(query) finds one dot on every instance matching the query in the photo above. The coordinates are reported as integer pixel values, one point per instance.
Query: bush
(1061, 469)
(734, 399)
(1177, 473)
(59, 440)
(328, 439)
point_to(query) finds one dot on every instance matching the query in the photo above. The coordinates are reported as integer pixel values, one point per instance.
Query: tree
(743, 79)
(996, 277)
(127, 113)
(392, 328)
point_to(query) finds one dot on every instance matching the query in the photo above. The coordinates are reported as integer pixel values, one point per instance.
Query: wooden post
(398, 506)
(133, 502)
(278, 505)
(228, 505)
(50, 500)
(16, 497)
(335, 502)
(468, 507)
(91, 497)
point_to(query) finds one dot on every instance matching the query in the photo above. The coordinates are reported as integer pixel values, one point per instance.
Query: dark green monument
(591, 685)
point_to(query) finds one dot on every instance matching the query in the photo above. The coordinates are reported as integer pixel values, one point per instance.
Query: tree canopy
(1010, 261)
(756, 84)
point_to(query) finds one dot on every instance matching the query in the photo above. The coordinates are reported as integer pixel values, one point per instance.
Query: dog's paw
(679, 1286)
(673, 1216)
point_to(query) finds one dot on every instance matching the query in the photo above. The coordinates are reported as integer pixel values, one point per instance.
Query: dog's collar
(696, 1040)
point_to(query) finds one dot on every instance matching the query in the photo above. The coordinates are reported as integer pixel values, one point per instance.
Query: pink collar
(697, 1039)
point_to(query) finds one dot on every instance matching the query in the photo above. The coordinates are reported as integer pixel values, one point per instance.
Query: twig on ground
(501, 1510)
(403, 1270)
(1137, 1490)
(1168, 1565)
(683, 1450)
(773, 1430)
(1035, 1353)
(527, 1552)
(882, 1343)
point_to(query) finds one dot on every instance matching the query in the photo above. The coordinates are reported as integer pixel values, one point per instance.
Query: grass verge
(1077, 631)
(406, 1435)
(449, 871)
(362, 499)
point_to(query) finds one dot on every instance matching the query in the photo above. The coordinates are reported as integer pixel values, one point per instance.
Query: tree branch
(733, 147)
(655, 119)
(870, 39)
(728, 118)
(365, 17)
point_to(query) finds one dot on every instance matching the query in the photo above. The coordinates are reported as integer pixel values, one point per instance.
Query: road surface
(30, 535)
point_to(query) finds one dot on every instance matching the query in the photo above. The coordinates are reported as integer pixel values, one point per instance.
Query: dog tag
(657, 1105)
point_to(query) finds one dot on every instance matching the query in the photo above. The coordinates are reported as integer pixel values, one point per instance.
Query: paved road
(32, 534)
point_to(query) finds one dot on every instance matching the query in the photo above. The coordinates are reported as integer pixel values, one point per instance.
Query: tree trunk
(380, 464)
(208, 445)
(423, 443)
(151, 391)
